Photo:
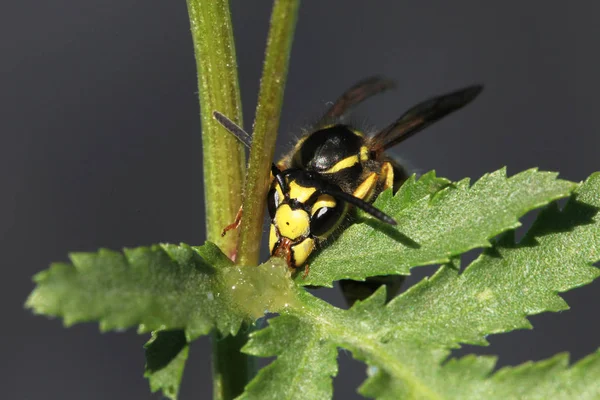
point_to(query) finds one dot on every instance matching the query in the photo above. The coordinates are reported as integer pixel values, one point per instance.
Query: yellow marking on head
(300, 193)
(292, 223)
(302, 250)
(345, 163)
(365, 189)
(324, 200)
(279, 193)
(272, 238)
(364, 153)
(387, 175)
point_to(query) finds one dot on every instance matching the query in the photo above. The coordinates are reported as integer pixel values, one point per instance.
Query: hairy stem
(218, 88)
(224, 164)
(266, 123)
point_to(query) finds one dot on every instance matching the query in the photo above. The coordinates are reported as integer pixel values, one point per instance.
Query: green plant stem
(266, 123)
(232, 369)
(224, 164)
(223, 155)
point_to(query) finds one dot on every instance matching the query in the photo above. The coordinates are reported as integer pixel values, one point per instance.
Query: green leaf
(413, 189)
(305, 358)
(162, 287)
(180, 291)
(493, 295)
(433, 228)
(158, 287)
(470, 378)
(406, 342)
(549, 379)
(166, 354)
(521, 279)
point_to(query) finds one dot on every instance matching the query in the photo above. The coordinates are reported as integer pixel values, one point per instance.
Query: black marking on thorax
(325, 147)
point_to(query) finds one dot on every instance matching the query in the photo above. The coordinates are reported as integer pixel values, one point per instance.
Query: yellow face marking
(279, 194)
(299, 193)
(324, 200)
(364, 153)
(272, 238)
(387, 174)
(292, 223)
(302, 250)
(345, 163)
(365, 189)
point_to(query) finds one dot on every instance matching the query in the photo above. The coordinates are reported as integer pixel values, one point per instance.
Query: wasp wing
(422, 115)
(355, 95)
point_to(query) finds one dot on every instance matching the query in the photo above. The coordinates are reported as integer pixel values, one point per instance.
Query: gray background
(101, 144)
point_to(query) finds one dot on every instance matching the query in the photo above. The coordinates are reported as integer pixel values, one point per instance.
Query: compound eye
(325, 219)
(272, 201)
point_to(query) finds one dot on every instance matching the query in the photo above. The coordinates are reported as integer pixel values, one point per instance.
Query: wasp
(335, 167)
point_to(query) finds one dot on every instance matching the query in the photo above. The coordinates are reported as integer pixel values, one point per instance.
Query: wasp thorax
(324, 148)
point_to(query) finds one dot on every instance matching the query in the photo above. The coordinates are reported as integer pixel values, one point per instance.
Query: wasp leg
(365, 190)
(306, 271)
(236, 223)
(387, 175)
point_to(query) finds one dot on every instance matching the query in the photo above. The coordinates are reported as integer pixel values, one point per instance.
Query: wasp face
(301, 215)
